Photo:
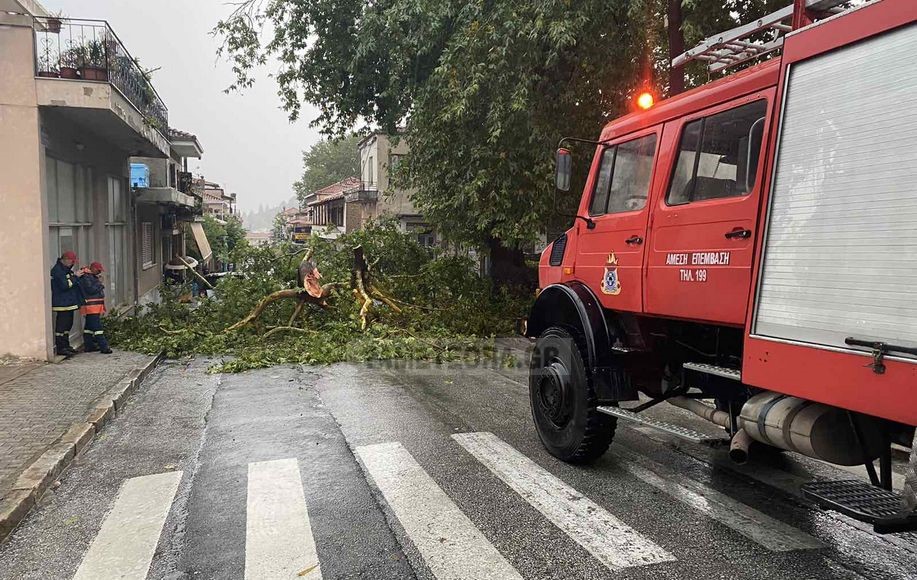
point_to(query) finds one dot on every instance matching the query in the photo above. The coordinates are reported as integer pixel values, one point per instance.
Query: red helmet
(69, 255)
(96, 267)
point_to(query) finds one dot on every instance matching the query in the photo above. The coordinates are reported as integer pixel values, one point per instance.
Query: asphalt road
(387, 471)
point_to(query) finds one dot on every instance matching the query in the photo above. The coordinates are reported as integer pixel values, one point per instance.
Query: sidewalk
(39, 402)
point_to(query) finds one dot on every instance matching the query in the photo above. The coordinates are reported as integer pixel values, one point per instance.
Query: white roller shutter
(840, 255)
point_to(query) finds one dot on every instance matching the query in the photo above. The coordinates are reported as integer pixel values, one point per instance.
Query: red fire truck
(747, 251)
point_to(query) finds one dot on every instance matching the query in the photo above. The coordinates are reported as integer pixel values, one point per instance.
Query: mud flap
(612, 384)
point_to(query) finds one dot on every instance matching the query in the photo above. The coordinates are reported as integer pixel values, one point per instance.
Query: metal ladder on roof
(739, 44)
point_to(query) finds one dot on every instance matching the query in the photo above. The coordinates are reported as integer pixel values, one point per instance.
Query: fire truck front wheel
(563, 400)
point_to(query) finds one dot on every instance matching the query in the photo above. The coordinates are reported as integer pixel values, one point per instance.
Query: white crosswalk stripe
(278, 534)
(279, 542)
(450, 544)
(751, 523)
(125, 544)
(603, 535)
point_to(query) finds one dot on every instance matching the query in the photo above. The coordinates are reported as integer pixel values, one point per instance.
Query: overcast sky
(249, 145)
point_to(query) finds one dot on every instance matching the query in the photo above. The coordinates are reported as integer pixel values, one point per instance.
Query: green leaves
(450, 313)
(328, 162)
(485, 88)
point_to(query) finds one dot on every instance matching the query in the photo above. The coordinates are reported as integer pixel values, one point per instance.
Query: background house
(349, 204)
(217, 202)
(327, 209)
(377, 195)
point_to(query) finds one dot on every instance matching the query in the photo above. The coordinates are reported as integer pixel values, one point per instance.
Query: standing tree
(485, 87)
(327, 162)
(279, 230)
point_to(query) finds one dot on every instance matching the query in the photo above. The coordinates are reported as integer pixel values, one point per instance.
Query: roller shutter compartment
(840, 256)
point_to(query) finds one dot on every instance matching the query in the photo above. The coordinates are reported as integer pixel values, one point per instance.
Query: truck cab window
(718, 155)
(624, 177)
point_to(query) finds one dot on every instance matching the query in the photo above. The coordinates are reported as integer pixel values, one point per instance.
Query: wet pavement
(40, 401)
(410, 471)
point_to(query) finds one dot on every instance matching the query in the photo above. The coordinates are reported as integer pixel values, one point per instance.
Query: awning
(197, 228)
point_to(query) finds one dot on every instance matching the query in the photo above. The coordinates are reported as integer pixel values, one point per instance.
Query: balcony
(82, 64)
(164, 196)
(364, 193)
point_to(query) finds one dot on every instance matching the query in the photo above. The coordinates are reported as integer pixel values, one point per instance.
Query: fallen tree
(370, 295)
(310, 292)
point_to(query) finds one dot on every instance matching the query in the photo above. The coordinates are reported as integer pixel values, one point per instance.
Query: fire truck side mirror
(563, 169)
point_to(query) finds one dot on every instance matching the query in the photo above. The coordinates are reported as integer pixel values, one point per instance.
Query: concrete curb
(35, 480)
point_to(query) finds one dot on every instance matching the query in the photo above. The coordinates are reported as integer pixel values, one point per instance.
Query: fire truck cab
(752, 243)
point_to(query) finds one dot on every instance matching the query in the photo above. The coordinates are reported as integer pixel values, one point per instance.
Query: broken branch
(193, 271)
(277, 329)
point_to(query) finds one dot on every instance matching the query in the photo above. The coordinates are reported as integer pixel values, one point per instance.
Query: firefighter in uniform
(94, 298)
(65, 300)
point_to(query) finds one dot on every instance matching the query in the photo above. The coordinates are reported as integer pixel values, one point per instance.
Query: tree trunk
(507, 266)
(676, 47)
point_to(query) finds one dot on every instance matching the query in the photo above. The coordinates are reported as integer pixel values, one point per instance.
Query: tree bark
(364, 291)
(508, 267)
(273, 297)
(676, 46)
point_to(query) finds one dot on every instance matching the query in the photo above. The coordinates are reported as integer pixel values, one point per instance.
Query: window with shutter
(147, 250)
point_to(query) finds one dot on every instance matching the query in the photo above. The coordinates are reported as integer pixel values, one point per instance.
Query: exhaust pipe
(738, 447)
(813, 429)
(702, 410)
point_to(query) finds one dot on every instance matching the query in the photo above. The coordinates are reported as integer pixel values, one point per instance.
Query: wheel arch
(572, 304)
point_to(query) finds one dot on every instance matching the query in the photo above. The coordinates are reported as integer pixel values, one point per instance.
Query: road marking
(278, 536)
(448, 541)
(126, 542)
(754, 525)
(603, 535)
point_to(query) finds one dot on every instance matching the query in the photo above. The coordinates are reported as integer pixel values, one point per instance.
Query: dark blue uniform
(66, 298)
(94, 297)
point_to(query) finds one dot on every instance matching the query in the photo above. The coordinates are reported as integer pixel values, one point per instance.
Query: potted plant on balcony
(94, 66)
(71, 60)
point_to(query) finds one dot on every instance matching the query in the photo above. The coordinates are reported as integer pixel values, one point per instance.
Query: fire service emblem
(610, 282)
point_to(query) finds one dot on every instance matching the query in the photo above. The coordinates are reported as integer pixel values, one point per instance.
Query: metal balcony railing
(90, 50)
(365, 192)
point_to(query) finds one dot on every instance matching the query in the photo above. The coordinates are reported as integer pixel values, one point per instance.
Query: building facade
(327, 209)
(165, 201)
(217, 202)
(75, 107)
(349, 204)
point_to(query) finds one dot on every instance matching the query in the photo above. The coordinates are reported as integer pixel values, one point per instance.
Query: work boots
(89, 343)
(62, 346)
(102, 343)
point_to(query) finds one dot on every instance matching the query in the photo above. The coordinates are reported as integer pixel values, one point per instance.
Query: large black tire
(563, 400)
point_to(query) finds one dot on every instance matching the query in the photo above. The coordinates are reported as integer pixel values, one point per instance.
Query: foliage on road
(447, 311)
(327, 162)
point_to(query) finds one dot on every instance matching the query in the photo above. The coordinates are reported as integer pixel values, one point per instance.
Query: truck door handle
(738, 234)
(634, 240)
